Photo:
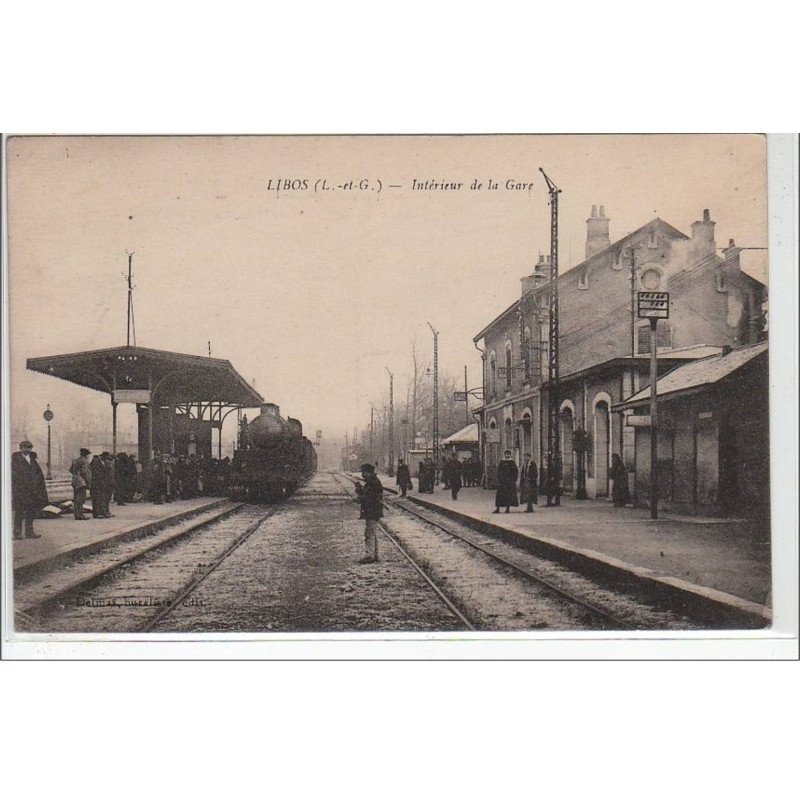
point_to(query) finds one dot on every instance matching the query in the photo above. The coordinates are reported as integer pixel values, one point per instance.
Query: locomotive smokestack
(271, 409)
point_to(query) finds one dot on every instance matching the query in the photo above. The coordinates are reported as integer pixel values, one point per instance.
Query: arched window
(508, 365)
(492, 374)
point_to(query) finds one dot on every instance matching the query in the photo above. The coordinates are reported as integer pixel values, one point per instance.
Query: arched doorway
(492, 453)
(526, 434)
(602, 434)
(567, 455)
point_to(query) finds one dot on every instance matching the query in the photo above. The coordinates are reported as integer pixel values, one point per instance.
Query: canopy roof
(465, 435)
(176, 378)
(697, 376)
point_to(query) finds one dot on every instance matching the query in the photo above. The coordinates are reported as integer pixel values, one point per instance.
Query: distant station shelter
(180, 399)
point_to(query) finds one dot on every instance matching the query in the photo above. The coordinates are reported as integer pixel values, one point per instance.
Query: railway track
(603, 609)
(452, 607)
(38, 600)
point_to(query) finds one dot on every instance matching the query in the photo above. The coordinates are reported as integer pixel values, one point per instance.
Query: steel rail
(440, 594)
(40, 607)
(564, 593)
(194, 582)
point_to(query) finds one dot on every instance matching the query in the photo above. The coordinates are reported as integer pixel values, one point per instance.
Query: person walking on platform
(28, 490)
(403, 477)
(620, 493)
(506, 494)
(529, 484)
(81, 482)
(452, 471)
(370, 497)
(552, 483)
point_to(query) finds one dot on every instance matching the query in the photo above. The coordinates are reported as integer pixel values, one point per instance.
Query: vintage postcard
(438, 386)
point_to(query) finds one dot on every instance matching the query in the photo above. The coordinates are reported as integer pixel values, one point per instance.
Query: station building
(604, 348)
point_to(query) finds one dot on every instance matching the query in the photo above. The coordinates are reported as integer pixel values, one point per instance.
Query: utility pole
(371, 435)
(131, 322)
(391, 422)
(435, 399)
(633, 302)
(553, 376)
(653, 420)
(466, 398)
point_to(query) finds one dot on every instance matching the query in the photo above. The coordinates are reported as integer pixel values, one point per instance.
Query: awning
(174, 378)
(697, 376)
(468, 435)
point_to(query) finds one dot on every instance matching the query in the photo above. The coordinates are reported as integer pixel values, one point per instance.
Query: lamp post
(435, 399)
(391, 422)
(48, 416)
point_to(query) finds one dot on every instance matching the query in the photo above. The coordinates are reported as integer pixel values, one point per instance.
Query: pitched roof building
(603, 346)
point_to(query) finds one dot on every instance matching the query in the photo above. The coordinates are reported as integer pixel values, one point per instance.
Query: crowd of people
(121, 479)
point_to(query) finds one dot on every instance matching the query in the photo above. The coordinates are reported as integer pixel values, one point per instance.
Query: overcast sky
(312, 293)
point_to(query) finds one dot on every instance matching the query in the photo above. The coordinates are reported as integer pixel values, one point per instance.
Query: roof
(177, 377)
(678, 356)
(595, 256)
(694, 377)
(465, 435)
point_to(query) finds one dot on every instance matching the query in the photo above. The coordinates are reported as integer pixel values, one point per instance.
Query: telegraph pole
(371, 435)
(466, 398)
(435, 399)
(391, 422)
(131, 322)
(553, 374)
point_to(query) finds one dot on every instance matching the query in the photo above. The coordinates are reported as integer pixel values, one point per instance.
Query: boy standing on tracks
(370, 497)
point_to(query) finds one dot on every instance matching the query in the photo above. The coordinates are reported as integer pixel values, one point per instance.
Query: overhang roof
(464, 436)
(176, 377)
(694, 377)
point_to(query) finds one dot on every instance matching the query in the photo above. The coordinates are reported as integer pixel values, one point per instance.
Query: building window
(583, 280)
(722, 286)
(527, 353)
(664, 337)
(650, 279)
(508, 365)
(617, 262)
(492, 375)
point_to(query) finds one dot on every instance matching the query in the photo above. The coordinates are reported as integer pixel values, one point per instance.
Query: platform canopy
(172, 378)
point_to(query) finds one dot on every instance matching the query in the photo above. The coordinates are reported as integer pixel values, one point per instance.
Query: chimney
(703, 236)
(731, 249)
(597, 237)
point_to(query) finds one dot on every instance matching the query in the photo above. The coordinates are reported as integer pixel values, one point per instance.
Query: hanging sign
(459, 396)
(132, 396)
(653, 305)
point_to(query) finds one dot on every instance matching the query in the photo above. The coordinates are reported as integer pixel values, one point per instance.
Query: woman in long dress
(506, 494)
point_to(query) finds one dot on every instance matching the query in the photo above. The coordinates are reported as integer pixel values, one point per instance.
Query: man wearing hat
(102, 468)
(28, 490)
(81, 481)
(370, 497)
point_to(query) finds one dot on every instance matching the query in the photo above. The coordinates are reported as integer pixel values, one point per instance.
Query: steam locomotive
(274, 457)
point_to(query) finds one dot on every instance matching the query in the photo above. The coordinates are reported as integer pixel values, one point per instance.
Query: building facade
(604, 349)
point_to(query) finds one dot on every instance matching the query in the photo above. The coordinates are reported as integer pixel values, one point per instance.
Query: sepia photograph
(381, 384)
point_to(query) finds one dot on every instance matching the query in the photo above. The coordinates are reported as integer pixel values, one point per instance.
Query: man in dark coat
(452, 471)
(506, 494)
(81, 481)
(120, 477)
(552, 484)
(403, 477)
(529, 483)
(370, 497)
(620, 493)
(28, 490)
(102, 485)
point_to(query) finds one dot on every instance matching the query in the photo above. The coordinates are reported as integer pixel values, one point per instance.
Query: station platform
(722, 560)
(65, 537)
